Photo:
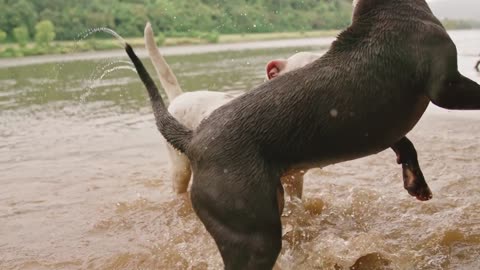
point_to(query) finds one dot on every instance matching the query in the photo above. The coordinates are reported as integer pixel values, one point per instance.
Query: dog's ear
(274, 67)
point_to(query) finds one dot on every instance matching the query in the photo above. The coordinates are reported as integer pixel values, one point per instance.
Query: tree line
(68, 19)
(43, 21)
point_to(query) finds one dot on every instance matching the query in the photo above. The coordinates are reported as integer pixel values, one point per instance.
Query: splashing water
(117, 68)
(83, 35)
(94, 83)
(91, 31)
(94, 76)
(87, 33)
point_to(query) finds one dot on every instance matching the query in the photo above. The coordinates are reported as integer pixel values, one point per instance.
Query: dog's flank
(174, 132)
(192, 107)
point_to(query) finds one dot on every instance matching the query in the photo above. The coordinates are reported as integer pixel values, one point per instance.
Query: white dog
(191, 108)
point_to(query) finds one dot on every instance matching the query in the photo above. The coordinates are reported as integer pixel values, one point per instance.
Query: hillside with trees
(35, 27)
(128, 17)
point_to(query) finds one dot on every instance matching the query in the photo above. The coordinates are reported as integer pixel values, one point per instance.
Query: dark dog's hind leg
(413, 179)
(242, 215)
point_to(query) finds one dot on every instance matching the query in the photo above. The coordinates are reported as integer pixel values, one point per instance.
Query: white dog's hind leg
(293, 183)
(179, 169)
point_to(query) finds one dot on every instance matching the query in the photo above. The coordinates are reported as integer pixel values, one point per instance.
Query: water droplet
(91, 31)
(333, 112)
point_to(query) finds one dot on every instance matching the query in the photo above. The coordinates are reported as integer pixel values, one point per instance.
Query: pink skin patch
(274, 67)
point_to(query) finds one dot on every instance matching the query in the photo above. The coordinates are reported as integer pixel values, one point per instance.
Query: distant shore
(13, 50)
(226, 43)
(170, 50)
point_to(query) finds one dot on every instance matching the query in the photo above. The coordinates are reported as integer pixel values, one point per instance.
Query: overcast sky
(456, 9)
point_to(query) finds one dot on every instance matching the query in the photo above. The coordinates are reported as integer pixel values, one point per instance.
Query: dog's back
(367, 77)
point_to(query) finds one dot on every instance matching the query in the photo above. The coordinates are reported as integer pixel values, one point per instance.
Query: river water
(84, 176)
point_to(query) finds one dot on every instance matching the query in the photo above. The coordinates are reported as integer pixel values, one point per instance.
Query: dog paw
(415, 184)
(422, 193)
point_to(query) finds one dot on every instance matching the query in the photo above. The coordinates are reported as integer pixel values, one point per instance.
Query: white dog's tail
(174, 132)
(167, 78)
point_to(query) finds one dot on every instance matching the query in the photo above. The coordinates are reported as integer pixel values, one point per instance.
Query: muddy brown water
(84, 178)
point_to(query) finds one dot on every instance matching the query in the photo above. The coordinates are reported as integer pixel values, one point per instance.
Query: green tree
(21, 12)
(161, 39)
(44, 33)
(21, 35)
(3, 36)
(187, 17)
(130, 19)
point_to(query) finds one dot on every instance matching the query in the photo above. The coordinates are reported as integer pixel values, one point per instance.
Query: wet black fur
(378, 76)
(174, 132)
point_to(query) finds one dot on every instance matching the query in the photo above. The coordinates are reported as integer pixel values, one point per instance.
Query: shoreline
(226, 43)
(169, 50)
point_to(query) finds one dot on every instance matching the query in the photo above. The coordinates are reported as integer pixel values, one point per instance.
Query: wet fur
(192, 107)
(388, 65)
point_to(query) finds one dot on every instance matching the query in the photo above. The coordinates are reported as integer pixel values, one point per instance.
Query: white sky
(456, 9)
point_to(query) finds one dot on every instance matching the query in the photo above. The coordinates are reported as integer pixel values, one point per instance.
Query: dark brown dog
(364, 95)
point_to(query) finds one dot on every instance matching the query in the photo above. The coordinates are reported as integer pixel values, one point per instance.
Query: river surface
(84, 177)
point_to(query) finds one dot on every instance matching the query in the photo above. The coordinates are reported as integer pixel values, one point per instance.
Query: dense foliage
(173, 17)
(31, 27)
(461, 24)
